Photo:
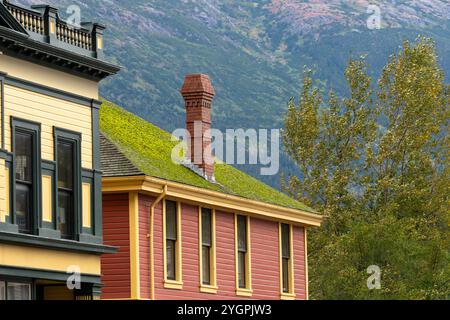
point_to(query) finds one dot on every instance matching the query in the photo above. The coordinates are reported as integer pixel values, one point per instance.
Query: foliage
(376, 164)
(149, 148)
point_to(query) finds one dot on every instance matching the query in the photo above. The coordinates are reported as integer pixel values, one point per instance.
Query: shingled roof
(113, 162)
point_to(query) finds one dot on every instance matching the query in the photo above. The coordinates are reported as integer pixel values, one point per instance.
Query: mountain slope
(254, 51)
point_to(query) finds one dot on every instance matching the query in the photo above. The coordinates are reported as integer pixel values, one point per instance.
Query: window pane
(171, 220)
(23, 156)
(241, 270)
(170, 259)
(2, 291)
(65, 164)
(285, 266)
(19, 291)
(206, 227)
(242, 233)
(286, 240)
(65, 214)
(23, 206)
(206, 268)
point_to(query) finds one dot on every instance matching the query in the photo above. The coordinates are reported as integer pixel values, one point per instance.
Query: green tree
(375, 163)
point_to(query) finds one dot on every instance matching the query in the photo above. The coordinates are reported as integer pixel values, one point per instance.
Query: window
(15, 291)
(243, 255)
(25, 142)
(172, 244)
(286, 261)
(207, 251)
(24, 149)
(66, 204)
(68, 174)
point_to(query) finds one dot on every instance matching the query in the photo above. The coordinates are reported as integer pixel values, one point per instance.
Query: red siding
(264, 245)
(265, 259)
(299, 262)
(116, 267)
(225, 260)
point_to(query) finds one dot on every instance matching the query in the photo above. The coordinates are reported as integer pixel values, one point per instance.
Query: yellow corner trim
(134, 245)
(175, 285)
(244, 292)
(209, 289)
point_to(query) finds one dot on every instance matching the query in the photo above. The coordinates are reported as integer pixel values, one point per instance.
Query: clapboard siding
(299, 262)
(226, 274)
(265, 259)
(264, 237)
(49, 112)
(116, 267)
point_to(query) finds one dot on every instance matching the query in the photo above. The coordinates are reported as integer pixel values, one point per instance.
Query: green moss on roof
(149, 148)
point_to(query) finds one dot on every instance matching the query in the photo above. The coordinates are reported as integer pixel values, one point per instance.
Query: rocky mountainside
(254, 51)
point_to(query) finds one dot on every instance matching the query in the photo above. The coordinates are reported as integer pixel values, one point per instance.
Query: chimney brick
(198, 93)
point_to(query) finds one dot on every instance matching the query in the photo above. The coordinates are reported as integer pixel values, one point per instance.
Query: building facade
(50, 178)
(207, 231)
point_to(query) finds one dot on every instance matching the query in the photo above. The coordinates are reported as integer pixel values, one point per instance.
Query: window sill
(208, 289)
(244, 292)
(287, 296)
(172, 284)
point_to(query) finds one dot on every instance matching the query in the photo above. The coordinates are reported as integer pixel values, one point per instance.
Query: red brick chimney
(198, 93)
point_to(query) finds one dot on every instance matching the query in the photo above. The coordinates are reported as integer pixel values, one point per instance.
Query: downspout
(152, 258)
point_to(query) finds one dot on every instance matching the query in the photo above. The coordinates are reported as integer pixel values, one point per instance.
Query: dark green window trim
(28, 273)
(58, 244)
(35, 129)
(75, 138)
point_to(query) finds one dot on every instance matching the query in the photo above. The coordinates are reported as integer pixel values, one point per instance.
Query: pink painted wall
(264, 246)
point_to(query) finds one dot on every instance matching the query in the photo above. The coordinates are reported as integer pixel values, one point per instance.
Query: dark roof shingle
(113, 162)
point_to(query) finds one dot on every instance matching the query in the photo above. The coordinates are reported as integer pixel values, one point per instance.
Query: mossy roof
(149, 149)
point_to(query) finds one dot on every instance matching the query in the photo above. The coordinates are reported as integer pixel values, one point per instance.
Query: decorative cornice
(22, 46)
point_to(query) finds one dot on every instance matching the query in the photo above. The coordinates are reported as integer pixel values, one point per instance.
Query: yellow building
(50, 179)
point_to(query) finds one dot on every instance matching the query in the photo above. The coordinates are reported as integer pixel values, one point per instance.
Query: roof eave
(22, 45)
(226, 202)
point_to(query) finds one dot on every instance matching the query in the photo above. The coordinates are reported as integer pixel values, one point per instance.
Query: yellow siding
(86, 190)
(47, 199)
(48, 77)
(49, 112)
(55, 260)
